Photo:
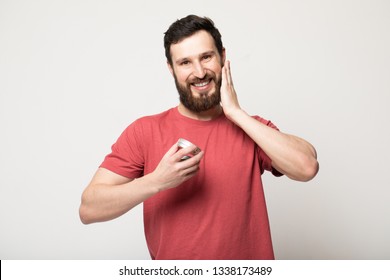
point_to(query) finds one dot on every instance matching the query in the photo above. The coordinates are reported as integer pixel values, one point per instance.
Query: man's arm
(110, 195)
(291, 155)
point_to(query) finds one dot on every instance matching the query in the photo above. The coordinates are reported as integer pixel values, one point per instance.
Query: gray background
(74, 74)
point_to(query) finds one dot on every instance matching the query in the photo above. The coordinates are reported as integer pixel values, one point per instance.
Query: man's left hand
(229, 98)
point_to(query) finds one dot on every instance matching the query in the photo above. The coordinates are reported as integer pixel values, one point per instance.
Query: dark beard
(202, 103)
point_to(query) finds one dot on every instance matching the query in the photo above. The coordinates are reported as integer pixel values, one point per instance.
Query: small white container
(183, 143)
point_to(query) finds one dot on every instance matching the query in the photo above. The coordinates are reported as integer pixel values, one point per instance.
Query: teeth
(202, 84)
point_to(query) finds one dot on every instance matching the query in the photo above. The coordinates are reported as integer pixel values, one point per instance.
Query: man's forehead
(194, 45)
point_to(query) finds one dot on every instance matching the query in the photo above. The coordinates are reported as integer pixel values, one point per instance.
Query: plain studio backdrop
(74, 74)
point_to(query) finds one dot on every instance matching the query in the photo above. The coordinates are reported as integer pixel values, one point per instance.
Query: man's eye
(184, 63)
(206, 57)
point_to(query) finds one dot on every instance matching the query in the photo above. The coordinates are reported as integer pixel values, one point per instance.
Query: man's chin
(201, 105)
(202, 95)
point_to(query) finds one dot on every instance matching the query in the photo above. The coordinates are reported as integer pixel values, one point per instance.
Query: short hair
(186, 27)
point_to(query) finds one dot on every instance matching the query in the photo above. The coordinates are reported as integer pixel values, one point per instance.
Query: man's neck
(201, 116)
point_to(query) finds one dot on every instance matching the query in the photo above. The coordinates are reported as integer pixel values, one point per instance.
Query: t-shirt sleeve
(265, 161)
(126, 157)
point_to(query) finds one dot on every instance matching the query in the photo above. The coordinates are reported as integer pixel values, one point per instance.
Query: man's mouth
(202, 84)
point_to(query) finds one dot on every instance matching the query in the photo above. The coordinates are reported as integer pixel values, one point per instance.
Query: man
(210, 206)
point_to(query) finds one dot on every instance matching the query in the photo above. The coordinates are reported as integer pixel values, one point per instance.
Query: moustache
(207, 77)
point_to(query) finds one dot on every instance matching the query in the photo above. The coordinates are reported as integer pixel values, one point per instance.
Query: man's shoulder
(151, 122)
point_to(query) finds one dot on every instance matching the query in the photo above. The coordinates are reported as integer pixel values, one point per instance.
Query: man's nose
(199, 71)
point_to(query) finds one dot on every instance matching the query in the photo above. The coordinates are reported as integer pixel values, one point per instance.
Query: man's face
(196, 67)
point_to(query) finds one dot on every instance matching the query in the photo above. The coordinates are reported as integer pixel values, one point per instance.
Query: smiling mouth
(202, 84)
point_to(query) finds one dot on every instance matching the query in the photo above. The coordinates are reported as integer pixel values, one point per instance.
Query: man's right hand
(172, 170)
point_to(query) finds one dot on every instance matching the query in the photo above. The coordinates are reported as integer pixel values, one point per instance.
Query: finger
(172, 150)
(228, 73)
(187, 151)
(189, 172)
(224, 75)
(192, 163)
(196, 158)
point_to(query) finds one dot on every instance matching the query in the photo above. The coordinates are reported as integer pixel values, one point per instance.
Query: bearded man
(204, 200)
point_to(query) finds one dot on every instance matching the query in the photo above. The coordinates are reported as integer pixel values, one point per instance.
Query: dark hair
(186, 27)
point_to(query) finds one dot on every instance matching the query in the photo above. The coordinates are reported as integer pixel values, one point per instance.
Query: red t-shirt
(220, 213)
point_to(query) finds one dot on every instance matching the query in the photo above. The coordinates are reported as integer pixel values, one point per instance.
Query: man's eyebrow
(207, 53)
(179, 60)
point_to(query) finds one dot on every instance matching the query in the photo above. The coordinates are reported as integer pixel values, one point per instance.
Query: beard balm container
(183, 143)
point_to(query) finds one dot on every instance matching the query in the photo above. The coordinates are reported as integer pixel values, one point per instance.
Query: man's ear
(170, 68)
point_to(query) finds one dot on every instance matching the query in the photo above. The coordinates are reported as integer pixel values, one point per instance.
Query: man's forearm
(103, 202)
(292, 156)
